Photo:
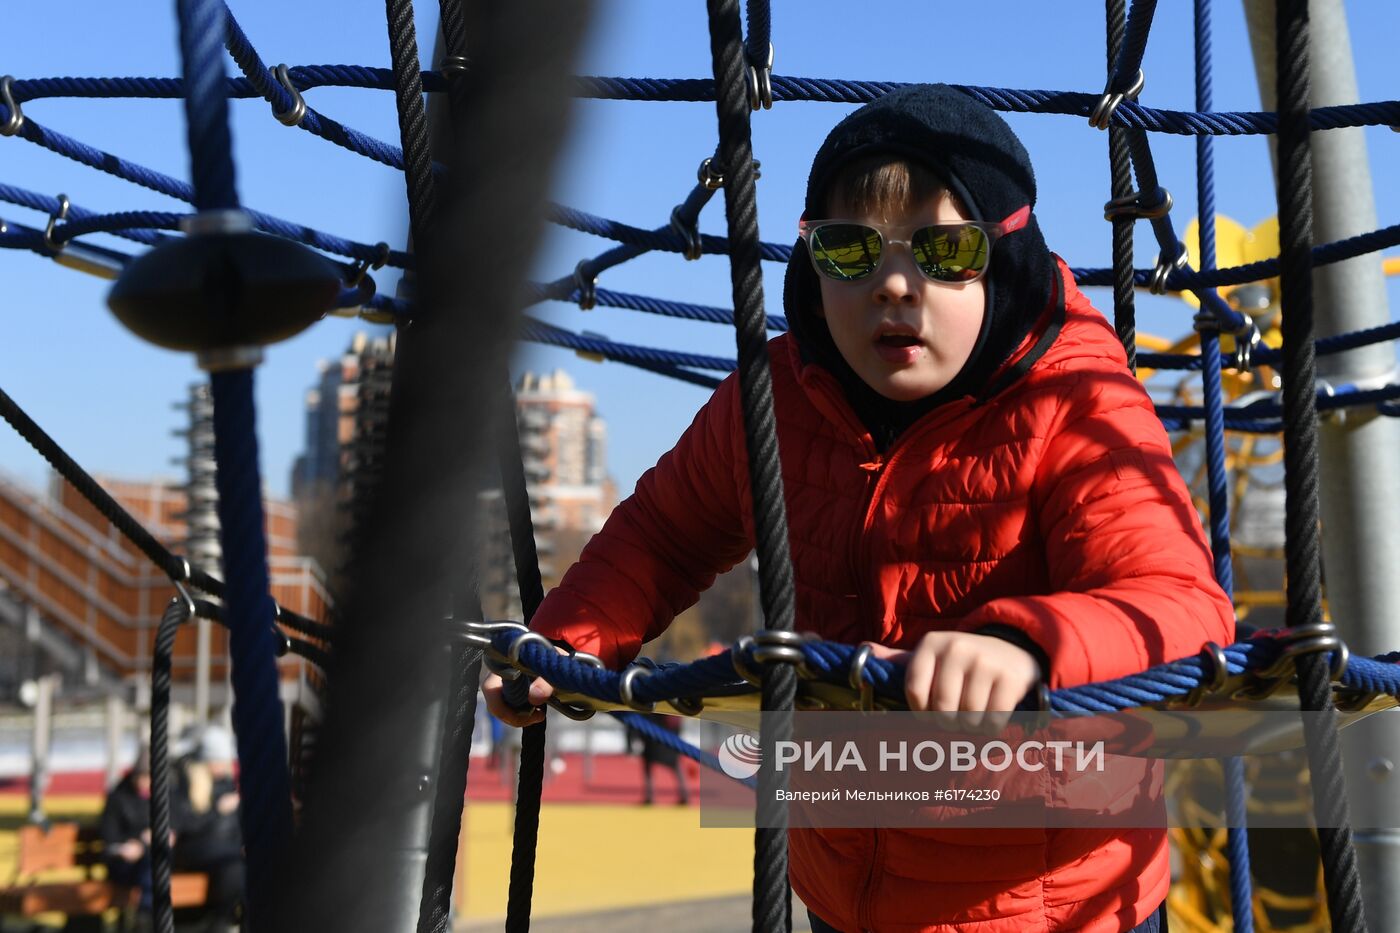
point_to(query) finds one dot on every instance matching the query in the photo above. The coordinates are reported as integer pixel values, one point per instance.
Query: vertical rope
(1302, 545)
(1237, 832)
(264, 785)
(527, 578)
(760, 33)
(203, 24)
(435, 910)
(1210, 337)
(1120, 169)
(435, 904)
(771, 910)
(413, 118)
(1237, 846)
(163, 917)
(1129, 59)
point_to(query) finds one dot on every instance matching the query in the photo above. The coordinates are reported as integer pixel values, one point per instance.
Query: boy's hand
(970, 675)
(493, 688)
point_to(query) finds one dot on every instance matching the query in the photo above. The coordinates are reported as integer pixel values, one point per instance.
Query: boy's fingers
(886, 653)
(919, 679)
(540, 691)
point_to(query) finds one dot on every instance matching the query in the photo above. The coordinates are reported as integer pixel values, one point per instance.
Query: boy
(975, 484)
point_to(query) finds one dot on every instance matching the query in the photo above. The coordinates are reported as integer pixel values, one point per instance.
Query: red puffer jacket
(1054, 506)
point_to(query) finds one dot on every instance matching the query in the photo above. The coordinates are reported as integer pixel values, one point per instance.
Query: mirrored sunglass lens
(951, 253)
(845, 251)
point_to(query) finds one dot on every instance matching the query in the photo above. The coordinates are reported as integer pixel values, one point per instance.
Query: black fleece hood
(970, 147)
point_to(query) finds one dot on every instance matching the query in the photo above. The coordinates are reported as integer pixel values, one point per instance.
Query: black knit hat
(979, 158)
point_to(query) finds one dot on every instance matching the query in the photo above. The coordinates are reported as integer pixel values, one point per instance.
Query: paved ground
(715, 915)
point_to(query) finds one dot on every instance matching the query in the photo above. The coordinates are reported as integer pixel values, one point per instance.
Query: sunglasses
(949, 254)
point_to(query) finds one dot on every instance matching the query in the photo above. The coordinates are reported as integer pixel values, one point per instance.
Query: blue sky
(107, 397)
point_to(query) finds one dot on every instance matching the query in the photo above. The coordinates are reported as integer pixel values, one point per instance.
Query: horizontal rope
(666, 737)
(786, 89)
(830, 663)
(172, 187)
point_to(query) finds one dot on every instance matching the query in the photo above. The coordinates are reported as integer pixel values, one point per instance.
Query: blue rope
(830, 662)
(265, 814)
(271, 90)
(1185, 280)
(540, 332)
(663, 239)
(84, 221)
(257, 713)
(1217, 478)
(203, 24)
(164, 184)
(674, 742)
(1237, 846)
(785, 89)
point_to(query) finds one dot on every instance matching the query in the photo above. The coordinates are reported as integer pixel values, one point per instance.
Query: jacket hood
(965, 143)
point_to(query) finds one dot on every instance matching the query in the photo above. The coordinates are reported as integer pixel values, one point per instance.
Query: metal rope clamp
(15, 121)
(587, 284)
(711, 173)
(1295, 642)
(1215, 670)
(1246, 340)
(54, 218)
(1134, 207)
(688, 230)
(760, 83)
(576, 713)
(864, 689)
(624, 688)
(1108, 103)
(454, 66)
(1157, 284)
(294, 114)
(769, 646)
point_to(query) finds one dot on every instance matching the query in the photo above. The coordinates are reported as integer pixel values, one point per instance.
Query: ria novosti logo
(739, 756)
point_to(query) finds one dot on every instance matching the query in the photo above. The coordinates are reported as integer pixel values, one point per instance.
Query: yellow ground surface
(599, 857)
(591, 857)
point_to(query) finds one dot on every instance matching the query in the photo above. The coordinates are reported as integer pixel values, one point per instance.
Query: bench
(59, 870)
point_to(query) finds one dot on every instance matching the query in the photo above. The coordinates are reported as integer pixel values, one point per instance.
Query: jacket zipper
(865, 910)
(881, 467)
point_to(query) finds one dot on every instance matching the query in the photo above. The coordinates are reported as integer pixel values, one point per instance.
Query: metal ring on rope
(760, 83)
(363, 267)
(686, 228)
(579, 713)
(1214, 672)
(15, 121)
(587, 285)
(294, 114)
(782, 647)
(54, 218)
(1133, 206)
(454, 65)
(1109, 102)
(711, 173)
(856, 677)
(1157, 284)
(624, 688)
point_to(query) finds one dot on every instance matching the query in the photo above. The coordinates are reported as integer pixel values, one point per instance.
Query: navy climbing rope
(264, 786)
(1237, 833)
(1301, 519)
